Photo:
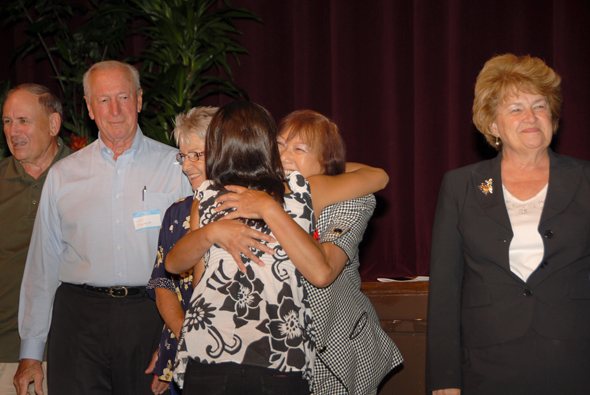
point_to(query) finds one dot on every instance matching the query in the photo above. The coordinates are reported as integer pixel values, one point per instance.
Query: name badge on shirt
(147, 220)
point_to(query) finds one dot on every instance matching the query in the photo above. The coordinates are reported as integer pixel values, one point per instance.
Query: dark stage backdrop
(398, 78)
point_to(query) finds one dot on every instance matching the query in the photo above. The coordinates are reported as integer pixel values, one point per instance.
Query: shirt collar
(135, 148)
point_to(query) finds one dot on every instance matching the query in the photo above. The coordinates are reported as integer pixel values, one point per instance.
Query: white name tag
(147, 220)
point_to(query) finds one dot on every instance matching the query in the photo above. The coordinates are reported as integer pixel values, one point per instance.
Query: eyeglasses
(193, 156)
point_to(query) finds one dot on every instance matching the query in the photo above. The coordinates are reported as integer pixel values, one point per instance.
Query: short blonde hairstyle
(506, 75)
(195, 121)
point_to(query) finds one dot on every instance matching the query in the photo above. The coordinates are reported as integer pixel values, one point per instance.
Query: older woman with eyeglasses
(173, 292)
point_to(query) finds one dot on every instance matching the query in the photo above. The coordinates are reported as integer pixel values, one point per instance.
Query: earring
(497, 141)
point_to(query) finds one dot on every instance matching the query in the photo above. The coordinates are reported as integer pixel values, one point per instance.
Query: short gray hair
(195, 121)
(47, 100)
(106, 65)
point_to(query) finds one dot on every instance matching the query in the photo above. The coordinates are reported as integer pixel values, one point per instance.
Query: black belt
(115, 292)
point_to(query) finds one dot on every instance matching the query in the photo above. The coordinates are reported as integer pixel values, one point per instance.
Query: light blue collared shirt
(84, 232)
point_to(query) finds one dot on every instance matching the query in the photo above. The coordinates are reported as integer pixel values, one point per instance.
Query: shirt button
(34, 185)
(116, 221)
(528, 293)
(34, 201)
(548, 234)
(543, 265)
(117, 196)
(118, 171)
(118, 247)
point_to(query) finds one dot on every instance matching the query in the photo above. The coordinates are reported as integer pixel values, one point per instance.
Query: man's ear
(139, 99)
(54, 124)
(89, 107)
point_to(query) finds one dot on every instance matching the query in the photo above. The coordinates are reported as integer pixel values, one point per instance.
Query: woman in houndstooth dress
(353, 352)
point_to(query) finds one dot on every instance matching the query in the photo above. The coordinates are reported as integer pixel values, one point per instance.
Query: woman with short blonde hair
(510, 258)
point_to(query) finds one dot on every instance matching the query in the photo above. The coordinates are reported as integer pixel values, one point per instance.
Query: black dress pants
(235, 379)
(99, 344)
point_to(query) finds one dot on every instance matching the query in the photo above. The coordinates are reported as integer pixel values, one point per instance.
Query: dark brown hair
(242, 149)
(321, 134)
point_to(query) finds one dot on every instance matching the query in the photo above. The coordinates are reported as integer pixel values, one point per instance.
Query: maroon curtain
(398, 78)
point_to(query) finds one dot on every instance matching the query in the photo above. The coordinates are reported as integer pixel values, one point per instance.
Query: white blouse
(526, 248)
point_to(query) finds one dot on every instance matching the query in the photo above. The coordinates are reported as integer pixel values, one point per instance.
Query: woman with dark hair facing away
(509, 297)
(353, 352)
(246, 330)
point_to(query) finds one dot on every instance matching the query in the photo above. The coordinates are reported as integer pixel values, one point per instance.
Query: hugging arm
(359, 180)
(305, 253)
(342, 231)
(233, 236)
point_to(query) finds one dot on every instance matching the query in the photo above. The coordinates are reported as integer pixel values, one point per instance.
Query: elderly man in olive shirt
(32, 118)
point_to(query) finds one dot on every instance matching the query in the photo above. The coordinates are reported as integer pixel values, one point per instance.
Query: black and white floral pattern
(258, 318)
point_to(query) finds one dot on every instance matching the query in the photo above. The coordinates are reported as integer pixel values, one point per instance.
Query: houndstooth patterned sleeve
(344, 224)
(353, 351)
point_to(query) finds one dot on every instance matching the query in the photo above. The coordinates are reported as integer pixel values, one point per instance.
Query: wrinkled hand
(447, 391)
(158, 386)
(248, 203)
(237, 238)
(28, 370)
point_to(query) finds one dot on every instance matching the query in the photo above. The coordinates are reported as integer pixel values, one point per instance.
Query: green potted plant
(99, 34)
(189, 44)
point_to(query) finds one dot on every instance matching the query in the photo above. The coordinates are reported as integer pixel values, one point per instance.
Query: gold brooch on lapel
(486, 187)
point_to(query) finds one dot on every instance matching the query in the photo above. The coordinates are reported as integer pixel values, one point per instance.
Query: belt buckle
(113, 289)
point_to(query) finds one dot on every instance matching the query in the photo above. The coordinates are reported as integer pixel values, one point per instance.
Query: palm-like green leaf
(100, 35)
(189, 44)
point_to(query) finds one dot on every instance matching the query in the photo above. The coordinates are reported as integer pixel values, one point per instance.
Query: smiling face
(297, 155)
(195, 171)
(30, 132)
(113, 104)
(523, 123)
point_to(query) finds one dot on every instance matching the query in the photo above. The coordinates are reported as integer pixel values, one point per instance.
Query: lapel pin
(486, 187)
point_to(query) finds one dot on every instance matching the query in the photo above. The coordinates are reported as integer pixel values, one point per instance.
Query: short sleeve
(348, 222)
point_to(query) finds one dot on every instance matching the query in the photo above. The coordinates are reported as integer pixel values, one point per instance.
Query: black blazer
(474, 298)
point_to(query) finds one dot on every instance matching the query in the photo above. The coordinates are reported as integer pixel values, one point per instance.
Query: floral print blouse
(260, 318)
(175, 224)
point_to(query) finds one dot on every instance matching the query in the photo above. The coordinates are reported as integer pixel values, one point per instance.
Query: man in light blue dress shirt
(93, 248)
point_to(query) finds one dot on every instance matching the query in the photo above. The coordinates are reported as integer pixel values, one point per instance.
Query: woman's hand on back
(247, 203)
(238, 238)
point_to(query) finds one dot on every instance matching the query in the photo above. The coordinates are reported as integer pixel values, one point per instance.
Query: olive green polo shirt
(19, 198)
